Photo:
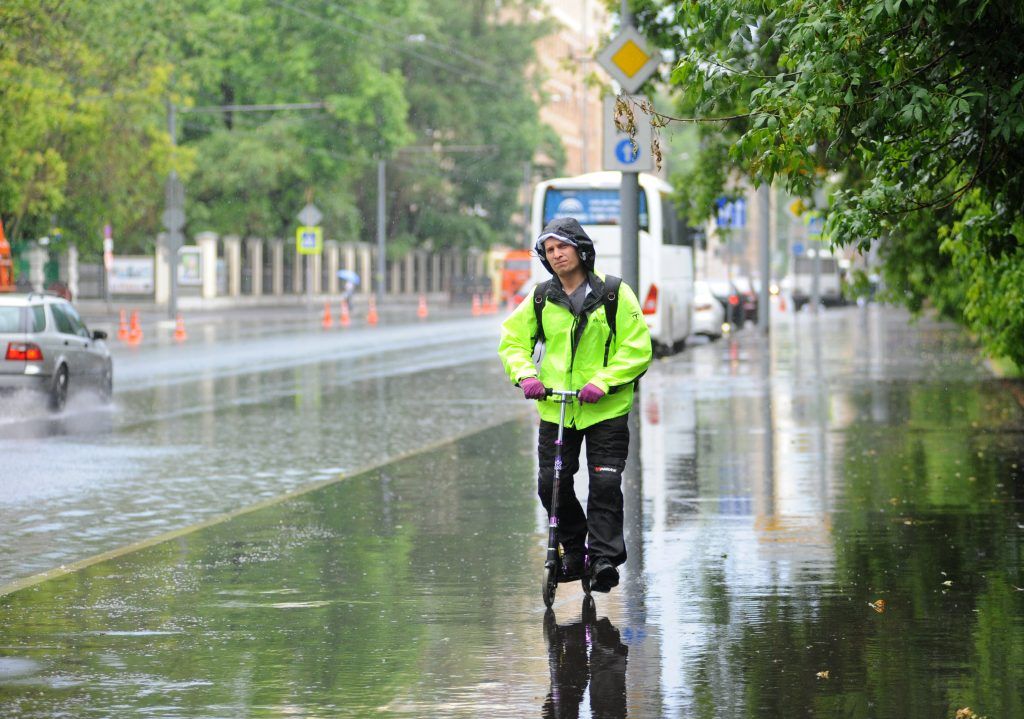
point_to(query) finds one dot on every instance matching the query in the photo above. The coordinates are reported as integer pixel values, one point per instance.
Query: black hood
(566, 229)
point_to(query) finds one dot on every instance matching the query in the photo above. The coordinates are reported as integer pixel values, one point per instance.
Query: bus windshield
(589, 206)
(805, 265)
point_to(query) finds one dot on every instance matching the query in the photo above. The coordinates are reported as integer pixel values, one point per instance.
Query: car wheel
(59, 390)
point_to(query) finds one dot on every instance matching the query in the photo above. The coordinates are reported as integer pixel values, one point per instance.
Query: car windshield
(12, 319)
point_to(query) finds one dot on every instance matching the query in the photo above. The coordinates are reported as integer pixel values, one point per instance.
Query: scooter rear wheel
(549, 586)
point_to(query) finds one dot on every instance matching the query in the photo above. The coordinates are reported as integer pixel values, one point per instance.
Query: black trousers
(607, 448)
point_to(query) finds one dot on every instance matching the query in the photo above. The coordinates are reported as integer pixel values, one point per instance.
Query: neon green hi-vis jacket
(569, 365)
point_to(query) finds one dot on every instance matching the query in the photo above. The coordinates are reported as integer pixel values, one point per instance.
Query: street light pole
(381, 274)
(527, 204)
(174, 213)
(172, 234)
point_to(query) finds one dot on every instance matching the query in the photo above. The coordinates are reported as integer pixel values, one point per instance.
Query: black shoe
(571, 567)
(604, 576)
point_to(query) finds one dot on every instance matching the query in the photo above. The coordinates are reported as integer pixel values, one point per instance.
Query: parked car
(708, 312)
(748, 289)
(47, 348)
(728, 294)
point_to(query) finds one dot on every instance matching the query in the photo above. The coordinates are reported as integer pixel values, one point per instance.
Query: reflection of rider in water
(586, 650)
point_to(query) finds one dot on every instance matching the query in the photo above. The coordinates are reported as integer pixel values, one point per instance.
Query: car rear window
(12, 319)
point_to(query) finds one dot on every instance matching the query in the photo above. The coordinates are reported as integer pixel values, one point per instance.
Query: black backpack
(610, 300)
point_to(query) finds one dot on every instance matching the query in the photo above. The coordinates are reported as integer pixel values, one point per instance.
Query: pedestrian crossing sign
(309, 240)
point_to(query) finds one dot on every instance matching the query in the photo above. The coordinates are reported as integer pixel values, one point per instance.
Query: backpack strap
(540, 296)
(611, 308)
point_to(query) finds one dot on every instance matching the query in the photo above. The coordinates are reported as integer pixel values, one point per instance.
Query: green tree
(914, 105)
(82, 90)
(84, 131)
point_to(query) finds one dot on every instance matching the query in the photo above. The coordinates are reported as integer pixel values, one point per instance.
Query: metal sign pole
(173, 218)
(629, 206)
(764, 207)
(172, 251)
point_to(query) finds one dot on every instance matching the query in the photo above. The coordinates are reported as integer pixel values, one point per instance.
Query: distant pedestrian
(602, 357)
(351, 280)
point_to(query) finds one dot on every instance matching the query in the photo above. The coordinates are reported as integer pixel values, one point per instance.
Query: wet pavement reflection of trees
(830, 529)
(842, 529)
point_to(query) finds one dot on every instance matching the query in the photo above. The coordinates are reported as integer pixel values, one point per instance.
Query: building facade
(565, 58)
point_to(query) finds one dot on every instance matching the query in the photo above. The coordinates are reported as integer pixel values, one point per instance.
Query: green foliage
(437, 89)
(82, 88)
(913, 110)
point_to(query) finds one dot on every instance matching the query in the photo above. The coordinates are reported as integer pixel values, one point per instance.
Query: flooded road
(827, 526)
(216, 426)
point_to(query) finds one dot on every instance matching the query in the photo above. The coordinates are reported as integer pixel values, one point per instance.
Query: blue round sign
(626, 153)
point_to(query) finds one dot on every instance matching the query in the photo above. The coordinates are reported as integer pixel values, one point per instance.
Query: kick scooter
(552, 562)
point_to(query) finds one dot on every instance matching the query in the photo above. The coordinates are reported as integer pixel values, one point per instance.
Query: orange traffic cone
(489, 307)
(343, 316)
(476, 306)
(782, 303)
(327, 320)
(122, 327)
(422, 310)
(179, 329)
(371, 314)
(135, 329)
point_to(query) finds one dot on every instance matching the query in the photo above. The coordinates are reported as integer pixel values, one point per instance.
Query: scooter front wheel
(549, 586)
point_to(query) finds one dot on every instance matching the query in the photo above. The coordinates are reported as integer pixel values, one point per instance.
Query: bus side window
(676, 231)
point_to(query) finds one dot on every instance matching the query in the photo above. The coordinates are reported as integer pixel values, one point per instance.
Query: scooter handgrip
(548, 391)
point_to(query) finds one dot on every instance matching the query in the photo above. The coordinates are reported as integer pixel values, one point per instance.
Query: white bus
(666, 246)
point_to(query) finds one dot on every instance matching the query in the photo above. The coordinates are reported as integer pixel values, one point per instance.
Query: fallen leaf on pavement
(878, 605)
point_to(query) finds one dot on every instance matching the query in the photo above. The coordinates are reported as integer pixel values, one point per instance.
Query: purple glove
(591, 393)
(533, 388)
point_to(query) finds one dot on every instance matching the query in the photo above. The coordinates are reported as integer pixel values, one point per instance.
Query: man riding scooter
(596, 340)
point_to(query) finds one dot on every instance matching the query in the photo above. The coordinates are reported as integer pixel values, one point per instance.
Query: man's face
(562, 256)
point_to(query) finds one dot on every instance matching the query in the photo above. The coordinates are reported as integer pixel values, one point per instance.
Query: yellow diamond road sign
(628, 61)
(630, 58)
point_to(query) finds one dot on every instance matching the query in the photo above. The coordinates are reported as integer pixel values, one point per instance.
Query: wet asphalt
(826, 524)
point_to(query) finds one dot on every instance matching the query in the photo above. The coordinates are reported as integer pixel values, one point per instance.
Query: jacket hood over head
(568, 230)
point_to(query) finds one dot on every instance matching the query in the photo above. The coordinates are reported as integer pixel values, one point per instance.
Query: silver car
(47, 348)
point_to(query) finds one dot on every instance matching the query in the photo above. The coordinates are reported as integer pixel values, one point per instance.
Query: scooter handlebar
(564, 393)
